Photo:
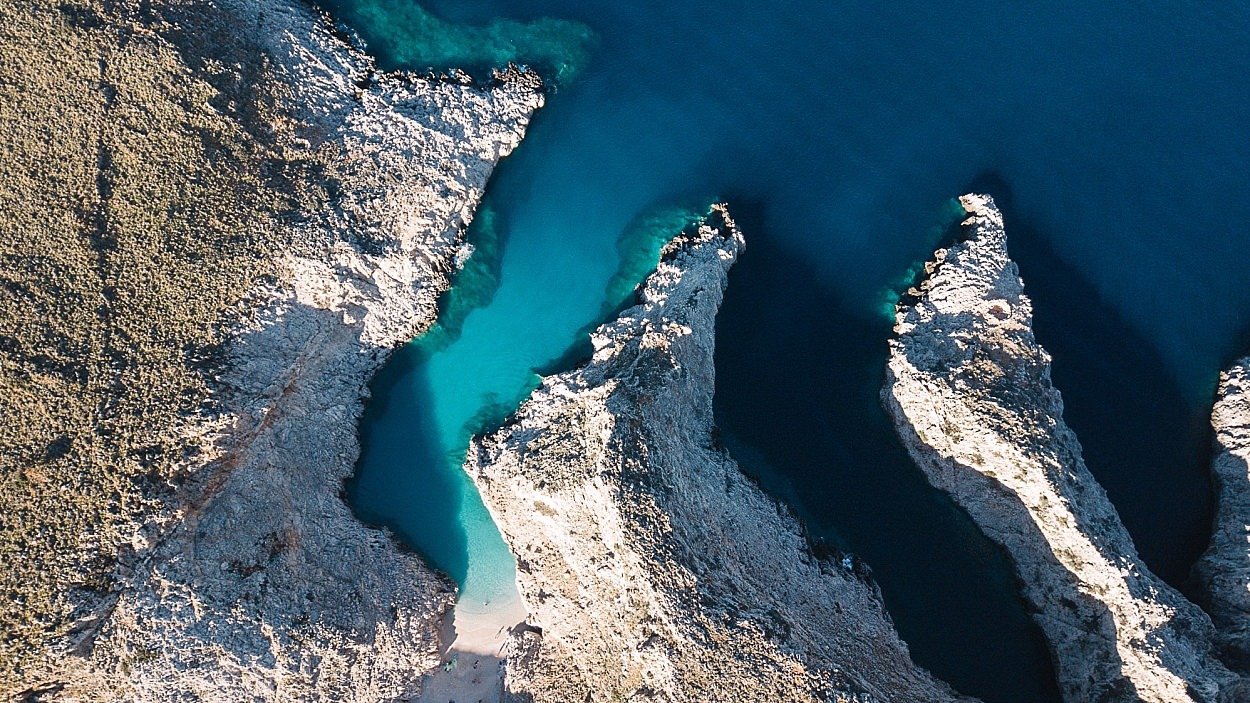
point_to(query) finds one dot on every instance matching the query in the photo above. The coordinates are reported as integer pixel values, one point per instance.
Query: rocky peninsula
(652, 567)
(252, 216)
(970, 392)
(220, 218)
(1224, 571)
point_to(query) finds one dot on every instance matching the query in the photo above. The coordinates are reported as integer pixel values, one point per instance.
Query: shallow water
(506, 320)
(839, 132)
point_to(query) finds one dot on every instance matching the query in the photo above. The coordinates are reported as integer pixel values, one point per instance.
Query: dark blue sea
(1115, 136)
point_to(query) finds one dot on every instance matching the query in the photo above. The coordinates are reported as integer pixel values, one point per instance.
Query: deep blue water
(1114, 134)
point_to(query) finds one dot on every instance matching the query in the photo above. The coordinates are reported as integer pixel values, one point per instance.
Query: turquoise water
(506, 320)
(1114, 133)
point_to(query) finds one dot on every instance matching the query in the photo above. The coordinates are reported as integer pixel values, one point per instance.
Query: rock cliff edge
(1224, 571)
(256, 582)
(970, 393)
(652, 567)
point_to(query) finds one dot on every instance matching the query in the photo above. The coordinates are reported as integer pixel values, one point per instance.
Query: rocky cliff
(253, 581)
(1224, 571)
(652, 567)
(970, 393)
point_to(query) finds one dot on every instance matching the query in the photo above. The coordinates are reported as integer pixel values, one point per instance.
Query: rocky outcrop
(652, 567)
(970, 393)
(1224, 571)
(260, 584)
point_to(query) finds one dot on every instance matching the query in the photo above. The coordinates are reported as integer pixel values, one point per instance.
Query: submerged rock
(1224, 571)
(970, 393)
(652, 567)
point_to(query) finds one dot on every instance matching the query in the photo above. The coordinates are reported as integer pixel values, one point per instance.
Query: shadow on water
(401, 480)
(799, 374)
(1146, 441)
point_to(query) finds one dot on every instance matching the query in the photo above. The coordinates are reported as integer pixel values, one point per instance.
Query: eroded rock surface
(259, 584)
(1224, 571)
(653, 568)
(970, 393)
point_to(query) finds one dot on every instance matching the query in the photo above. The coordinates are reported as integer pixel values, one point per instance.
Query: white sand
(472, 669)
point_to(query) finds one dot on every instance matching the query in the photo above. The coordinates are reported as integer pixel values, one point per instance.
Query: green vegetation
(143, 169)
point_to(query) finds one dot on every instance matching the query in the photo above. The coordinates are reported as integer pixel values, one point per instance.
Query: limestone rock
(970, 392)
(652, 567)
(262, 585)
(1224, 571)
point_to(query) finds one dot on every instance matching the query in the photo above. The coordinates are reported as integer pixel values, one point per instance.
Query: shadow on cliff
(1212, 581)
(1098, 628)
(1083, 629)
(1233, 631)
(1146, 442)
(401, 480)
(799, 373)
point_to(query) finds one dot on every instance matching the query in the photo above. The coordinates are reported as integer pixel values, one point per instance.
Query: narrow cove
(520, 307)
(841, 129)
(449, 384)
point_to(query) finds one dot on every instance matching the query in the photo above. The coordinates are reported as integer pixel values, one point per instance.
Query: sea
(1114, 135)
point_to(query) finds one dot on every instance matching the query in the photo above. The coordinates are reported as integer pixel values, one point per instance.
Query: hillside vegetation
(146, 163)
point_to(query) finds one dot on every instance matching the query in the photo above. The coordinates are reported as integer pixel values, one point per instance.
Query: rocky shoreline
(174, 500)
(1224, 570)
(652, 567)
(970, 393)
(257, 582)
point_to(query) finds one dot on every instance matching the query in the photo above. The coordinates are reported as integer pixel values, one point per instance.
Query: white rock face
(1224, 570)
(970, 393)
(263, 586)
(652, 566)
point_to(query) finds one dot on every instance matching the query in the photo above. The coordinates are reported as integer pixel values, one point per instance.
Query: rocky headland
(1224, 571)
(652, 567)
(235, 571)
(970, 392)
(220, 218)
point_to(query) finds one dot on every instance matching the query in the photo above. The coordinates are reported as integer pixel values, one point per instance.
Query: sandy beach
(472, 664)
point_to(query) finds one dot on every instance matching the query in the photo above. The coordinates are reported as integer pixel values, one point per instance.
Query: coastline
(970, 393)
(208, 551)
(1224, 570)
(255, 579)
(653, 568)
(477, 642)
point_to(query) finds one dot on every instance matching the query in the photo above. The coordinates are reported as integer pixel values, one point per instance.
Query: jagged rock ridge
(653, 567)
(1224, 570)
(970, 393)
